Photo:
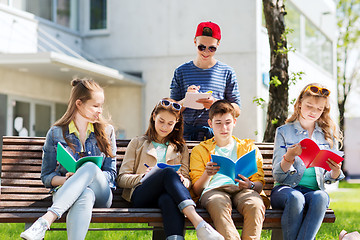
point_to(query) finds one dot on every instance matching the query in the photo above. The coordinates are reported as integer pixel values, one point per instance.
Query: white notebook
(191, 98)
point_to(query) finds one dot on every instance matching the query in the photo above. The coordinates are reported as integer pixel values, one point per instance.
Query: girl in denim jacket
(84, 132)
(299, 190)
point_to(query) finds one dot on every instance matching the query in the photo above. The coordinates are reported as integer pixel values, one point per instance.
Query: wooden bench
(23, 198)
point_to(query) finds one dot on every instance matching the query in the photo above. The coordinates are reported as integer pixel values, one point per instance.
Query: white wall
(23, 32)
(18, 31)
(32, 86)
(352, 143)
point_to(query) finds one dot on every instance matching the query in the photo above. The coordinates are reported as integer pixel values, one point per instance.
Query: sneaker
(36, 231)
(207, 232)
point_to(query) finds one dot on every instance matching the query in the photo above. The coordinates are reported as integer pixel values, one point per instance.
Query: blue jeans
(165, 190)
(304, 210)
(86, 189)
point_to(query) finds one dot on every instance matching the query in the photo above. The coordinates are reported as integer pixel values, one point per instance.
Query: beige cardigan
(140, 151)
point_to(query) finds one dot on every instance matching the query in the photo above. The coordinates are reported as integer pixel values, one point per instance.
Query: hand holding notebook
(312, 156)
(70, 163)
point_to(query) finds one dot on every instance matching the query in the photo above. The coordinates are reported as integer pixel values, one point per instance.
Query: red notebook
(312, 156)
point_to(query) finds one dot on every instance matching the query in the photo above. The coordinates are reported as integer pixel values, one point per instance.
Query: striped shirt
(220, 79)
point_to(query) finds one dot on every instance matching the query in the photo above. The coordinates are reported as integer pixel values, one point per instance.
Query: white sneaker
(36, 231)
(207, 232)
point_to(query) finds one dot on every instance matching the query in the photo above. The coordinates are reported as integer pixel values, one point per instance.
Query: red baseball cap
(215, 30)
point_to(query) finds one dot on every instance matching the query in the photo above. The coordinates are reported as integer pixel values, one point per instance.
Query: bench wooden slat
(21, 168)
(26, 162)
(20, 175)
(21, 182)
(21, 147)
(23, 190)
(21, 154)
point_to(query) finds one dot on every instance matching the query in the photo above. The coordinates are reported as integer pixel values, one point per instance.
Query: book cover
(312, 156)
(70, 163)
(191, 98)
(245, 165)
(159, 167)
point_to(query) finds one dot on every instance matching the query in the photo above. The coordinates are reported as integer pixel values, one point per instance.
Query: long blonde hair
(82, 90)
(325, 122)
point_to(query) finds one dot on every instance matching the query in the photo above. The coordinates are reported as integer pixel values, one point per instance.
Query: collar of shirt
(74, 130)
(300, 130)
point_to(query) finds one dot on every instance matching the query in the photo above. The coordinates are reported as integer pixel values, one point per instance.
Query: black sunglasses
(167, 103)
(202, 48)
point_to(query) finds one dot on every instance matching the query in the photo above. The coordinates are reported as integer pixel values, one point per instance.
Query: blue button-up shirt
(290, 134)
(49, 168)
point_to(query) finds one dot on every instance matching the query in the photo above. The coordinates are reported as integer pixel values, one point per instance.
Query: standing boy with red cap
(204, 74)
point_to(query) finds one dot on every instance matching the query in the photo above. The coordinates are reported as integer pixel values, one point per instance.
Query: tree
(348, 60)
(277, 112)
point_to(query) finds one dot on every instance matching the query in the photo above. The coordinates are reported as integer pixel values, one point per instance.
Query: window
(30, 117)
(98, 14)
(308, 39)
(62, 12)
(293, 22)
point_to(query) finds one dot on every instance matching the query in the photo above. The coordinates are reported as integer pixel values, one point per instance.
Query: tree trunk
(277, 112)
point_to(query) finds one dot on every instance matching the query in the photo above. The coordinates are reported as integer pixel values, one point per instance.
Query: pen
(146, 165)
(291, 147)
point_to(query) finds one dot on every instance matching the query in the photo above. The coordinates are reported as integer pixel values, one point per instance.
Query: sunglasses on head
(167, 103)
(315, 89)
(202, 48)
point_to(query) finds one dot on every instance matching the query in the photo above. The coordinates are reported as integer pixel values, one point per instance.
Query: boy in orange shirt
(217, 192)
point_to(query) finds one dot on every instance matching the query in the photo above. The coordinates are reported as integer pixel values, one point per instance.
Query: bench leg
(158, 233)
(276, 234)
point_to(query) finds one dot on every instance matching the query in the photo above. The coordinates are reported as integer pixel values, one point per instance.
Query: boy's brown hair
(221, 107)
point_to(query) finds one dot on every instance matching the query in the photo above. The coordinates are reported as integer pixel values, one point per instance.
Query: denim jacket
(290, 134)
(49, 168)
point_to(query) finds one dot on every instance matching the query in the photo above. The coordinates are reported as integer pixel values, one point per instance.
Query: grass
(345, 202)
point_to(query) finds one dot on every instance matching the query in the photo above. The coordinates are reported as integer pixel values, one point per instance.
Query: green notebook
(70, 163)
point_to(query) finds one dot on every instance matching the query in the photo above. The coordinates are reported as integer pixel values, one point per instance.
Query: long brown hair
(82, 90)
(176, 136)
(325, 122)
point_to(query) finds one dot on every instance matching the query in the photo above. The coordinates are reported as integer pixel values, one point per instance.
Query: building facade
(132, 49)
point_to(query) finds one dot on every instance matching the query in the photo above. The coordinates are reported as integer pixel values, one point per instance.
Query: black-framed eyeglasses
(167, 103)
(202, 48)
(315, 89)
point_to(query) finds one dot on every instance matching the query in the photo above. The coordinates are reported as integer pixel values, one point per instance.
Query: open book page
(159, 167)
(312, 156)
(191, 98)
(67, 160)
(245, 165)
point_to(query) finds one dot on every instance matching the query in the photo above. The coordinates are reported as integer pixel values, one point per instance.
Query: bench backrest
(21, 185)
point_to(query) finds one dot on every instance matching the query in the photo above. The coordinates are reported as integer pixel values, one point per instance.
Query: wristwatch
(252, 186)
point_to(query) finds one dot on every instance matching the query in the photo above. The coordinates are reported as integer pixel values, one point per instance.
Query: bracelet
(287, 160)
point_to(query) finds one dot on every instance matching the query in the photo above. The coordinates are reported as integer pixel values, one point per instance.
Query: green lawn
(345, 202)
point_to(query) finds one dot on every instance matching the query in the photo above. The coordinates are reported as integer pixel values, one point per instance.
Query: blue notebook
(158, 167)
(245, 165)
